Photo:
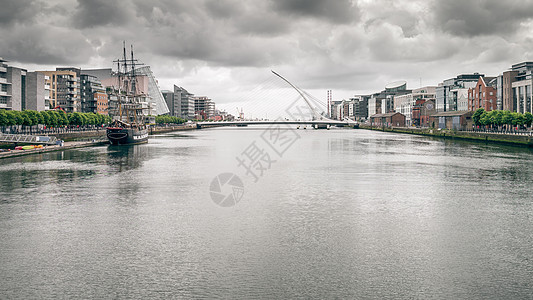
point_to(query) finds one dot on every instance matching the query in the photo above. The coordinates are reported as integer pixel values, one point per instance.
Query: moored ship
(128, 126)
(119, 133)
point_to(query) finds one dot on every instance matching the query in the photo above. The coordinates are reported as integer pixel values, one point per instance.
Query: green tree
(518, 119)
(91, 118)
(484, 118)
(166, 119)
(11, 118)
(528, 119)
(52, 118)
(507, 118)
(498, 118)
(101, 119)
(476, 117)
(33, 116)
(45, 118)
(3, 118)
(62, 117)
(84, 119)
(18, 116)
(492, 118)
(76, 118)
(39, 116)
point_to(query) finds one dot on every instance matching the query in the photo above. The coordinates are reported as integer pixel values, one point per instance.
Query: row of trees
(165, 119)
(50, 118)
(497, 118)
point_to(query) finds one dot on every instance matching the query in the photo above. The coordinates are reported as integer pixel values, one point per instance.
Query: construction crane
(240, 113)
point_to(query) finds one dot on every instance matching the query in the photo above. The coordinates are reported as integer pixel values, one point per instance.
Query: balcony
(3, 69)
(3, 80)
(4, 94)
(46, 86)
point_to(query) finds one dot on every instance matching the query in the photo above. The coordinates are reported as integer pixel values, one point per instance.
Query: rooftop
(452, 113)
(385, 115)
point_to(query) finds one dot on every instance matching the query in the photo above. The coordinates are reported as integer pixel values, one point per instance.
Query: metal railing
(29, 139)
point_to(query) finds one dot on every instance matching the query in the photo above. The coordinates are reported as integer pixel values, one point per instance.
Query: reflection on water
(343, 213)
(124, 158)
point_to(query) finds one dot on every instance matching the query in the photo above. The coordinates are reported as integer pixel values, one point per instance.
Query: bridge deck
(27, 139)
(280, 122)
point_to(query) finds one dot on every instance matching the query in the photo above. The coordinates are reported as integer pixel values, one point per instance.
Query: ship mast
(127, 87)
(133, 83)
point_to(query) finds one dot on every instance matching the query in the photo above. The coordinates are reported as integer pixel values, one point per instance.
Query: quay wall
(509, 139)
(101, 134)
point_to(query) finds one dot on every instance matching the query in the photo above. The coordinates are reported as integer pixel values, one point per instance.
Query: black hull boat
(128, 127)
(126, 136)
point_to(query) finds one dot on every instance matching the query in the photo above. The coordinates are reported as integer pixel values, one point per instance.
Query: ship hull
(127, 136)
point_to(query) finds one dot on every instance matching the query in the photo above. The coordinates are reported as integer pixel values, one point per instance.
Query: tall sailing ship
(128, 126)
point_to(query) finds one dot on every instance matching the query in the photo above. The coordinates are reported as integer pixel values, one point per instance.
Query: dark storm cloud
(263, 26)
(350, 44)
(91, 13)
(176, 8)
(340, 11)
(18, 11)
(189, 32)
(391, 12)
(224, 8)
(35, 44)
(482, 17)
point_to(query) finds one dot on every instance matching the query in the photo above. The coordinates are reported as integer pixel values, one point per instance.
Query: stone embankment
(508, 139)
(66, 146)
(81, 139)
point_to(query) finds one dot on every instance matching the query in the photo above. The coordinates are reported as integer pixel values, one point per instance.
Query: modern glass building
(446, 93)
(157, 99)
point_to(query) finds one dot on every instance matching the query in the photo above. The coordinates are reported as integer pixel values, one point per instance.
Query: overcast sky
(225, 48)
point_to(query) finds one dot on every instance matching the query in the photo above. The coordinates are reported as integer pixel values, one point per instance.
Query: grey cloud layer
(338, 41)
(482, 17)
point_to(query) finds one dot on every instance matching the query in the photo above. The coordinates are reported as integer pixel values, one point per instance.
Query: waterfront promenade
(80, 139)
(66, 146)
(521, 138)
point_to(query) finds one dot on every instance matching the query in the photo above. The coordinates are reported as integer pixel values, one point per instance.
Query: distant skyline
(224, 49)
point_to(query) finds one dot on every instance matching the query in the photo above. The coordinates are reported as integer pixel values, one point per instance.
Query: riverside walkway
(45, 149)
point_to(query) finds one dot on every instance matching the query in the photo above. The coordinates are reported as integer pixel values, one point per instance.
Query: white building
(461, 95)
(406, 103)
(20, 89)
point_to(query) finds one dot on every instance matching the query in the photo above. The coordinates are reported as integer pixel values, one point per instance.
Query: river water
(331, 214)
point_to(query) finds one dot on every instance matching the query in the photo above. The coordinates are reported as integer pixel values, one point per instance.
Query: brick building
(483, 95)
(392, 119)
(454, 120)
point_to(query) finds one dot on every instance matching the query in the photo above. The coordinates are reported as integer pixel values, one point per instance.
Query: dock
(52, 148)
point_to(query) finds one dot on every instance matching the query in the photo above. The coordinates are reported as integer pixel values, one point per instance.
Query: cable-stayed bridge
(303, 112)
(316, 124)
